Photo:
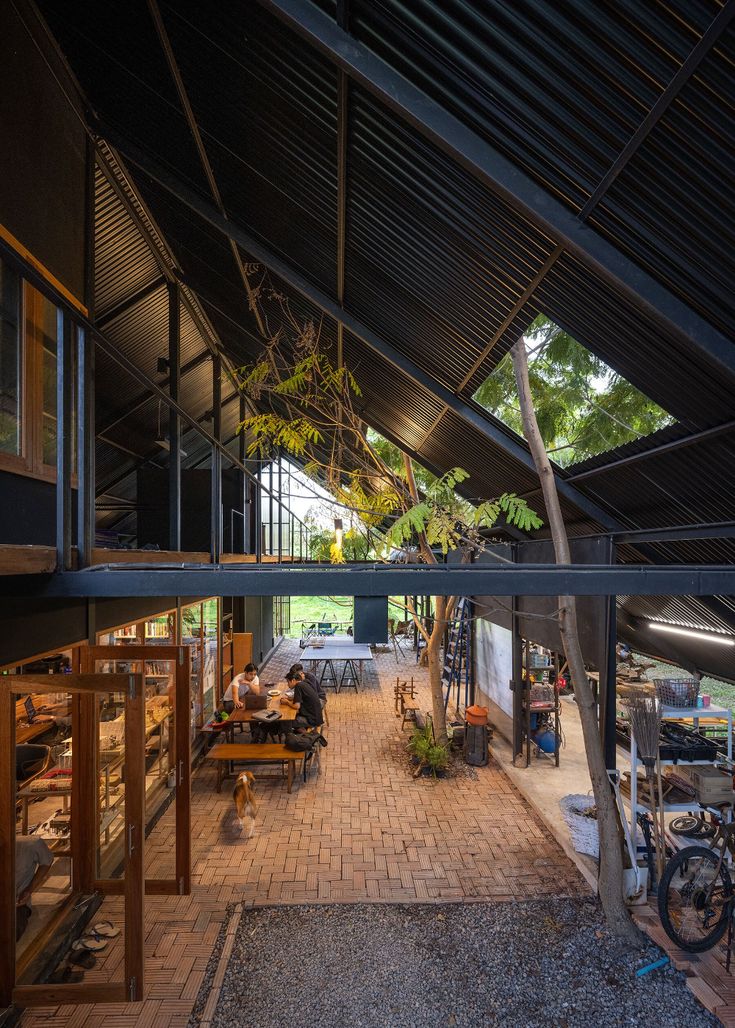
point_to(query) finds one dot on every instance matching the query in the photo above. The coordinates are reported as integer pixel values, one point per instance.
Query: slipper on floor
(89, 942)
(83, 958)
(106, 929)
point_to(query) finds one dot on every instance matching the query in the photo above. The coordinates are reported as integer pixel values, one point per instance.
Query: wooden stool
(400, 690)
(409, 711)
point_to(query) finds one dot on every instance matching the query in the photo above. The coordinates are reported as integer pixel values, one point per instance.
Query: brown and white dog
(245, 801)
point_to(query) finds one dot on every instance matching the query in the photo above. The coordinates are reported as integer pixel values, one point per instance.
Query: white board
(494, 664)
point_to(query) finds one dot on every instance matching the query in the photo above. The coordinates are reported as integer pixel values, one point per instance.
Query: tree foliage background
(583, 407)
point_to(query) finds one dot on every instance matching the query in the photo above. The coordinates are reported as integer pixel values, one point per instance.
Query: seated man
(310, 677)
(240, 686)
(305, 700)
(32, 856)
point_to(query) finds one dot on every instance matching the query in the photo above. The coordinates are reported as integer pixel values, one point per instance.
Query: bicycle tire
(698, 918)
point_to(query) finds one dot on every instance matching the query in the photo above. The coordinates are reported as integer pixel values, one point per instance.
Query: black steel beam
(683, 74)
(470, 413)
(127, 304)
(379, 580)
(675, 444)
(724, 530)
(498, 173)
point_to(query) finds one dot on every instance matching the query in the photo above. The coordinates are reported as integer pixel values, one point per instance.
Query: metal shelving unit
(695, 715)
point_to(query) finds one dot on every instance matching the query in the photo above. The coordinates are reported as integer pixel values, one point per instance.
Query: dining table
(346, 651)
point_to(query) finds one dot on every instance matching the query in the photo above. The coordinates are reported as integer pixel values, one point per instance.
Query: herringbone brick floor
(362, 830)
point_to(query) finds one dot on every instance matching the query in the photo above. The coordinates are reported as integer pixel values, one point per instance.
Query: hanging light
(723, 640)
(338, 533)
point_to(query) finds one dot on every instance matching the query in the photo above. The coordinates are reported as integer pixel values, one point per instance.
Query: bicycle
(696, 898)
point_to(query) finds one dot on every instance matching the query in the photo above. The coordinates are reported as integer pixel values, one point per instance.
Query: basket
(677, 692)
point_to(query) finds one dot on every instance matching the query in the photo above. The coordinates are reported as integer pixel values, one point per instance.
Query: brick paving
(362, 830)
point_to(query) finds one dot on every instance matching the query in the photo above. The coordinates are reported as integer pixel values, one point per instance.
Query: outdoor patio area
(362, 830)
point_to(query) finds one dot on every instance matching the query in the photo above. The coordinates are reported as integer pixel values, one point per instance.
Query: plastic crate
(677, 692)
(711, 786)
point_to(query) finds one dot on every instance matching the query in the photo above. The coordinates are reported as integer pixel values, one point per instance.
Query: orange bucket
(476, 715)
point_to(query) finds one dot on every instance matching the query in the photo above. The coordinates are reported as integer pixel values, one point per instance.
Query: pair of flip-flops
(97, 938)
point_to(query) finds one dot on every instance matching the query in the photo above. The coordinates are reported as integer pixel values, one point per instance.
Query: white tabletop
(334, 640)
(351, 651)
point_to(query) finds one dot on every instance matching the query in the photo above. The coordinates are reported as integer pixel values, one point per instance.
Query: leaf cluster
(582, 406)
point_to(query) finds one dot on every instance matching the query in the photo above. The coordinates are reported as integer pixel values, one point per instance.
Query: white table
(351, 654)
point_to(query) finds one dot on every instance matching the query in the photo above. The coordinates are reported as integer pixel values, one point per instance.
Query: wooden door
(84, 688)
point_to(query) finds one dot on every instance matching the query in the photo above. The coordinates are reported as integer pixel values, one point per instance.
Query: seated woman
(240, 686)
(32, 858)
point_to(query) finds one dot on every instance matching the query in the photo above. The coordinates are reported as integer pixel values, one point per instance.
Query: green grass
(319, 608)
(722, 693)
(331, 608)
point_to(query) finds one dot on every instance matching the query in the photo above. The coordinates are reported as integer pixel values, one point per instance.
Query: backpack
(300, 743)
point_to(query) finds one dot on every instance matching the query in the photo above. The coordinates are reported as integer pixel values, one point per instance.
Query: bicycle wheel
(694, 899)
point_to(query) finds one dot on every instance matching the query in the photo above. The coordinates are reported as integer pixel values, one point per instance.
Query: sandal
(106, 930)
(89, 942)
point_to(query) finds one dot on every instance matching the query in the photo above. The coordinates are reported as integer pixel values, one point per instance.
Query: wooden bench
(225, 753)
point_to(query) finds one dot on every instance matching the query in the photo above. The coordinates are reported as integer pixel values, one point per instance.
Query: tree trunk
(434, 656)
(610, 882)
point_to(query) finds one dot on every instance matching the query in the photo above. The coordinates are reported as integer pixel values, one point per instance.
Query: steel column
(86, 492)
(174, 423)
(216, 474)
(64, 437)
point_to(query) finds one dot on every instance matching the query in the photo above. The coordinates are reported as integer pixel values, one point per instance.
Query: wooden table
(241, 715)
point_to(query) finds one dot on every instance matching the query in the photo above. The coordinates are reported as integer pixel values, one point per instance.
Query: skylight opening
(583, 407)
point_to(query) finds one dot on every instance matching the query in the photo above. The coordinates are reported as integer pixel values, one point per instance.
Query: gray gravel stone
(519, 965)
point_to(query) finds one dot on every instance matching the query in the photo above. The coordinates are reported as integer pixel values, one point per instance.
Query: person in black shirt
(310, 677)
(305, 700)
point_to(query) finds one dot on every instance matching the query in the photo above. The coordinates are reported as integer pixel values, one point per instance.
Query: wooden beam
(134, 840)
(67, 995)
(7, 847)
(84, 792)
(182, 756)
(86, 683)
(153, 886)
(27, 560)
(100, 556)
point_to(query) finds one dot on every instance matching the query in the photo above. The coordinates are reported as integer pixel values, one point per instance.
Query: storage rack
(694, 714)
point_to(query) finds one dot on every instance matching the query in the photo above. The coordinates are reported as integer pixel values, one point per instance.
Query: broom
(644, 712)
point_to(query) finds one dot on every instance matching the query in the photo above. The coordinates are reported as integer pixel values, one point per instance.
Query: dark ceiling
(620, 114)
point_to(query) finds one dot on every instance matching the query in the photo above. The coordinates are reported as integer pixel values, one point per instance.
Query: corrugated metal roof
(437, 264)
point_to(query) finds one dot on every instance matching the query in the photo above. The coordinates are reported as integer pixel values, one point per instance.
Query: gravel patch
(519, 965)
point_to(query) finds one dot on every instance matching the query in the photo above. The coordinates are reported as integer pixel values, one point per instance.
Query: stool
(402, 689)
(410, 707)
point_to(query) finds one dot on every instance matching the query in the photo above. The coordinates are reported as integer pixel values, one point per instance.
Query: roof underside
(620, 113)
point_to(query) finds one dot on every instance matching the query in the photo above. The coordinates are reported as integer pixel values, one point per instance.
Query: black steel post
(243, 483)
(517, 682)
(258, 518)
(85, 449)
(270, 508)
(174, 422)
(280, 510)
(216, 474)
(608, 675)
(64, 436)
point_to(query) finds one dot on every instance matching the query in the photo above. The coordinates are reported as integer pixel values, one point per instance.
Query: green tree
(312, 416)
(582, 407)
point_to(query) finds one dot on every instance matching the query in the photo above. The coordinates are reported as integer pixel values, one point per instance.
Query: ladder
(457, 655)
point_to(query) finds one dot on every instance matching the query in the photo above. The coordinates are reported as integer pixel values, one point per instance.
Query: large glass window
(11, 363)
(46, 335)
